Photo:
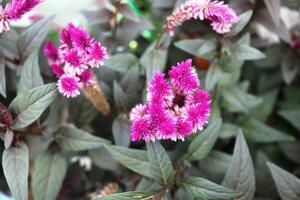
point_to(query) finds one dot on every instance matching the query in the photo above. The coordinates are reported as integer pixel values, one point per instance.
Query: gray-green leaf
(121, 131)
(30, 74)
(245, 52)
(202, 145)
(288, 185)
(135, 160)
(244, 19)
(160, 165)
(240, 174)
(29, 106)
(33, 37)
(127, 196)
(197, 47)
(15, 162)
(74, 139)
(2, 76)
(201, 188)
(48, 175)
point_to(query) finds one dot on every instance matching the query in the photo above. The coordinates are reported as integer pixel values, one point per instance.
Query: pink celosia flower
(78, 53)
(68, 86)
(173, 110)
(221, 16)
(14, 11)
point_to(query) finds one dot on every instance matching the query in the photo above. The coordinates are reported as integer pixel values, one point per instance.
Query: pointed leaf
(288, 185)
(244, 19)
(29, 106)
(120, 97)
(245, 52)
(204, 142)
(102, 158)
(15, 162)
(160, 165)
(197, 47)
(213, 75)
(127, 196)
(273, 7)
(32, 38)
(240, 174)
(201, 188)
(135, 160)
(292, 116)
(121, 62)
(48, 175)
(74, 139)
(121, 131)
(30, 74)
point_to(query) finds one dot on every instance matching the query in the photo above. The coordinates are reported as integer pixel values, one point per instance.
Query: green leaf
(197, 47)
(160, 165)
(240, 174)
(74, 139)
(81, 111)
(30, 105)
(257, 131)
(292, 116)
(148, 185)
(30, 74)
(120, 97)
(236, 100)
(121, 62)
(102, 159)
(127, 196)
(153, 60)
(245, 52)
(2, 76)
(291, 150)
(203, 143)
(213, 75)
(244, 19)
(201, 188)
(32, 38)
(47, 176)
(288, 185)
(15, 162)
(228, 130)
(135, 160)
(8, 44)
(121, 131)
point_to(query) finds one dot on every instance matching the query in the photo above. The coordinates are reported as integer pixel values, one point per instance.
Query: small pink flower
(14, 11)
(221, 16)
(97, 55)
(51, 51)
(68, 86)
(86, 76)
(173, 110)
(57, 70)
(80, 38)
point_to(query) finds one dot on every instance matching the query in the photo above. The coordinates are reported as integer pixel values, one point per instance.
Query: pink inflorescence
(175, 109)
(14, 11)
(221, 16)
(73, 61)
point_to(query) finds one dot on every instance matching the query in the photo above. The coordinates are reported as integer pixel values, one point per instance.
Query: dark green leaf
(121, 62)
(292, 116)
(32, 38)
(257, 131)
(240, 174)
(135, 160)
(212, 77)
(228, 130)
(103, 159)
(127, 196)
(120, 97)
(74, 139)
(288, 185)
(245, 52)
(15, 162)
(30, 105)
(148, 185)
(202, 145)
(160, 165)
(201, 188)
(244, 19)
(197, 47)
(48, 175)
(30, 74)
(2, 76)
(121, 131)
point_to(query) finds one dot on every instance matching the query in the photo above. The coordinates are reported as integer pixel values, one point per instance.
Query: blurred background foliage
(252, 74)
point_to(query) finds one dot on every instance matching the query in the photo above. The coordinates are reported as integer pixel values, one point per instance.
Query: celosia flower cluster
(222, 17)
(175, 109)
(75, 58)
(14, 11)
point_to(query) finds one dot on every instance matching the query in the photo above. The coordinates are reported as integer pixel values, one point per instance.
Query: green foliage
(127, 196)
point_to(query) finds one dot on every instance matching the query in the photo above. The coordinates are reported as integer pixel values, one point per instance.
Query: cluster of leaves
(253, 125)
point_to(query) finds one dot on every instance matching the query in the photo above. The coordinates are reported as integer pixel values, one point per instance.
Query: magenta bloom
(175, 109)
(68, 86)
(75, 57)
(222, 17)
(14, 11)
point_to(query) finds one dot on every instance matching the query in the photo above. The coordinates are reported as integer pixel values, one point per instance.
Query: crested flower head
(222, 17)
(72, 62)
(175, 109)
(14, 11)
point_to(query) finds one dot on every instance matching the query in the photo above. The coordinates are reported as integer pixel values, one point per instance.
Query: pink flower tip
(68, 86)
